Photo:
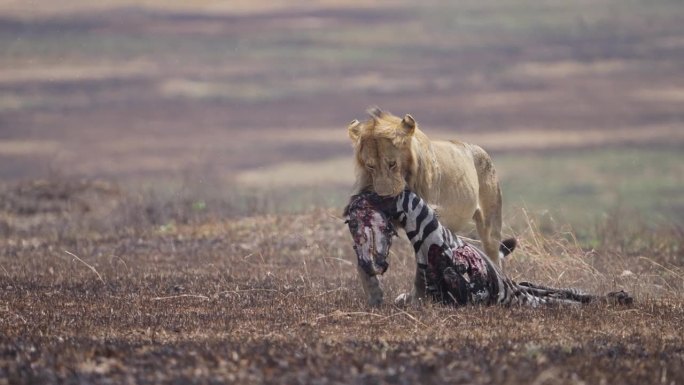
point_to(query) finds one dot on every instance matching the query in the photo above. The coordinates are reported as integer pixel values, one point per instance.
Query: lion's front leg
(371, 286)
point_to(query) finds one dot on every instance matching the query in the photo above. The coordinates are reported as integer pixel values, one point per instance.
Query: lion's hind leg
(490, 234)
(488, 217)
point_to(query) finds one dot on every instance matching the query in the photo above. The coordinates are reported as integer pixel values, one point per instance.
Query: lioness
(456, 178)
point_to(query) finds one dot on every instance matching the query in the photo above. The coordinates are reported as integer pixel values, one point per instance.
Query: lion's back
(455, 192)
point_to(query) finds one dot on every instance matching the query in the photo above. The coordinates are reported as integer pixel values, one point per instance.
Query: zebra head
(371, 230)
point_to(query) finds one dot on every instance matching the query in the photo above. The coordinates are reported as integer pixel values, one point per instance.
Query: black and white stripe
(421, 224)
(424, 230)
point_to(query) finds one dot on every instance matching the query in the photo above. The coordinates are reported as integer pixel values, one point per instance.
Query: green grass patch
(583, 185)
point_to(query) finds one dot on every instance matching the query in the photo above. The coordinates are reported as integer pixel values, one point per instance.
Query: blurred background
(244, 104)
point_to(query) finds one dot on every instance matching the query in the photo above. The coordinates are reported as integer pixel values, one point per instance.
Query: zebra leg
(457, 287)
(371, 286)
(417, 292)
(568, 294)
(419, 283)
(563, 294)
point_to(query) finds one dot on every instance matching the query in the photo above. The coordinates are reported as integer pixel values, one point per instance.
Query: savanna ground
(173, 176)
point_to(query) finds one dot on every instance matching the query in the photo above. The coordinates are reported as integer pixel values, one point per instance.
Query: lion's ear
(408, 125)
(353, 129)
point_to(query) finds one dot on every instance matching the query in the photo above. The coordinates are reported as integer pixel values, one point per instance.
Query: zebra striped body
(454, 272)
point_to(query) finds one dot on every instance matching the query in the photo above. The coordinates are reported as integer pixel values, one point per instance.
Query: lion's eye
(392, 164)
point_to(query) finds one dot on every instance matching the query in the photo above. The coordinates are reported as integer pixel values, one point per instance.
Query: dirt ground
(99, 287)
(138, 139)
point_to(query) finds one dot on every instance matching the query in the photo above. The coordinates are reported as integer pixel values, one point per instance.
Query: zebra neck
(417, 218)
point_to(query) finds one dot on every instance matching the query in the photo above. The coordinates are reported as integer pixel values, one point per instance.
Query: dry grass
(206, 284)
(275, 299)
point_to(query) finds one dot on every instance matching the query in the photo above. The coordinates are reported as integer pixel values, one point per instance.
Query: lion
(456, 178)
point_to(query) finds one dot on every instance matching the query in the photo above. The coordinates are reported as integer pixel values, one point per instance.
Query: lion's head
(384, 156)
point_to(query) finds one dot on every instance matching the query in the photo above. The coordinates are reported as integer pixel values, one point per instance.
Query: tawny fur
(392, 153)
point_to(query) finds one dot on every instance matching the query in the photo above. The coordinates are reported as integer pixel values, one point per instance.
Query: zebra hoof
(403, 299)
(620, 297)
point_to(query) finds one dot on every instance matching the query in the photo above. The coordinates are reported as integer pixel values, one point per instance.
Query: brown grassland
(173, 174)
(97, 293)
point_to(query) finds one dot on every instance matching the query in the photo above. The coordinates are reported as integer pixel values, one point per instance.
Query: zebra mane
(364, 198)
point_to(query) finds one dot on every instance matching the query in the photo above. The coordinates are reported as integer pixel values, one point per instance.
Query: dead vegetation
(275, 299)
(106, 283)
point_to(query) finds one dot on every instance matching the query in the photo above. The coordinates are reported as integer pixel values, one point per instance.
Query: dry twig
(181, 296)
(87, 264)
